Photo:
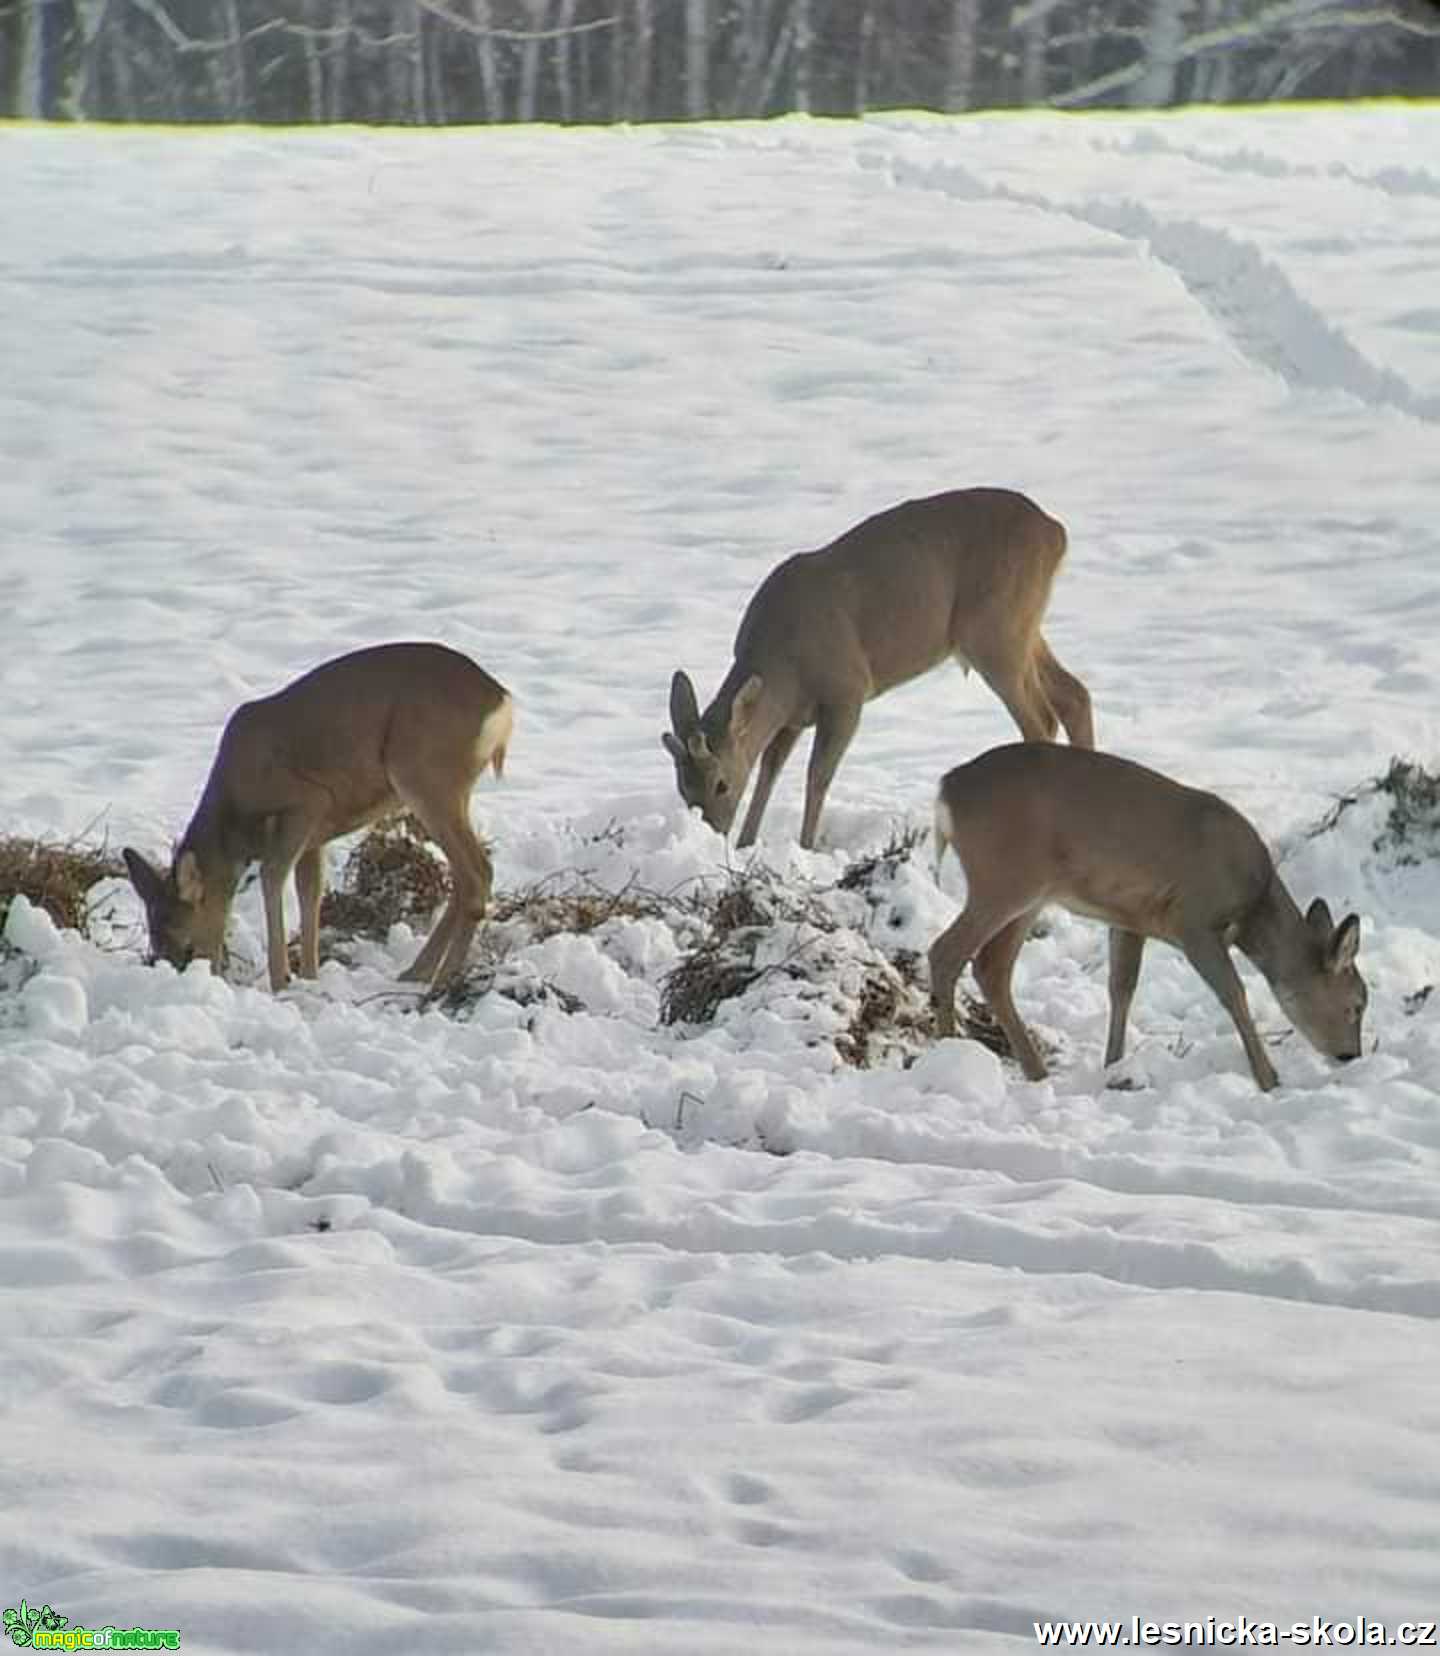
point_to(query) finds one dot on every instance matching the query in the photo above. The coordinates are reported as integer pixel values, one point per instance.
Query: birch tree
(1160, 44)
(697, 58)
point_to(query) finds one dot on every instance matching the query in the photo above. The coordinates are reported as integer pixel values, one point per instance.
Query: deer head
(712, 757)
(186, 915)
(1322, 992)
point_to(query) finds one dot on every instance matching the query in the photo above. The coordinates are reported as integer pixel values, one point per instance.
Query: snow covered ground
(547, 1327)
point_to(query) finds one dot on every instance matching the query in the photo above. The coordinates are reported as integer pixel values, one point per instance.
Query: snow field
(548, 1326)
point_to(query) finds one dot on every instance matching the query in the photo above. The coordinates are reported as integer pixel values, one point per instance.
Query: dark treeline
(444, 61)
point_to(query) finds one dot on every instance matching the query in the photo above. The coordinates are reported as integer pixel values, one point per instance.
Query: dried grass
(894, 1014)
(722, 965)
(883, 864)
(394, 874)
(1412, 825)
(1412, 828)
(56, 876)
(571, 902)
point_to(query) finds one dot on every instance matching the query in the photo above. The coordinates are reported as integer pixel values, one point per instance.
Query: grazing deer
(963, 576)
(1103, 837)
(410, 725)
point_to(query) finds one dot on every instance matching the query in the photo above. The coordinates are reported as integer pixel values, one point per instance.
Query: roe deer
(354, 739)
(964, 575)
(1107, 838)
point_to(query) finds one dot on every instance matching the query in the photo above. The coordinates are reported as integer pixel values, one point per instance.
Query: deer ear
(1344, 945)
(684, 711)
(188, 881)
(672, 747)
(1317, 917)
(747, 698)
(148, 881)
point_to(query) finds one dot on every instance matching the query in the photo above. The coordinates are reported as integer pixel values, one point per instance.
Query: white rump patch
(944, 832)
(494, 738)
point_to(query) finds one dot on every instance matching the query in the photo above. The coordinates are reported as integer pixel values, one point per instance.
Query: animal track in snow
(1248, 295)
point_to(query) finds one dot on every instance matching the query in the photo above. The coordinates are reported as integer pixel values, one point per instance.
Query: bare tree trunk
(642, 52)
(77, 99)
(529, 70)
(30, 78)
(491, 92)
(432, 62)
(864, 42)
(697, 59)
(750, 69)
(314, 75)
(123, 75)
(564, 76)
(1161, 41)
(237, 94)
(1033, 65)
(415, 53)
(784, 37)
(340, 50)
(1212, 74)
(960, 65)
(801, 36)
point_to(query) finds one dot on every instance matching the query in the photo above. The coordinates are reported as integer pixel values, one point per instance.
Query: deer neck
(215, 838)
(1273, 933)
(747, 741)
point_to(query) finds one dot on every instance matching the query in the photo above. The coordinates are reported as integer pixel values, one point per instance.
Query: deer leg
(309, 884)
(953, 951)
(834, 726)
(1126, 948)
(285, 843)
(435, 948)
(272, 884)
(1068, 696)
(471, 877)
(1209, 956)
(993, 967)
(470, 899)
(781, 745)
(1017, 681)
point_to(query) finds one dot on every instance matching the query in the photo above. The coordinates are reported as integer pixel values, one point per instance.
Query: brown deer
(963, 576)
(1103, 837)
(398, 725)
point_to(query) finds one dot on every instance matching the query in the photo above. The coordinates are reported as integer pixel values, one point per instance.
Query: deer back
(328, 742)
(1102, 836)
(964, 574)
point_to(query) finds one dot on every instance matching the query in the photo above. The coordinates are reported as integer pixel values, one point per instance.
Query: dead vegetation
(755, 923)
(738, 919)
(891, 1010)
(573, 902)
(1412, 823)
(894, 1015)
(461, 995)
(756, 926)
(1412, 827)
(56, 876)
(865, 872)
(718, 969)
(568, 902)
(392, 875)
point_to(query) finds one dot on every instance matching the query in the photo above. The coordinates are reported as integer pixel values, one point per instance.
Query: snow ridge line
(966, 1238)
(1024, 1160)
(1392, 181)
(1248, 295)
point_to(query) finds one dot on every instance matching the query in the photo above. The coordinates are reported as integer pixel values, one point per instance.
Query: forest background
(440, 62)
